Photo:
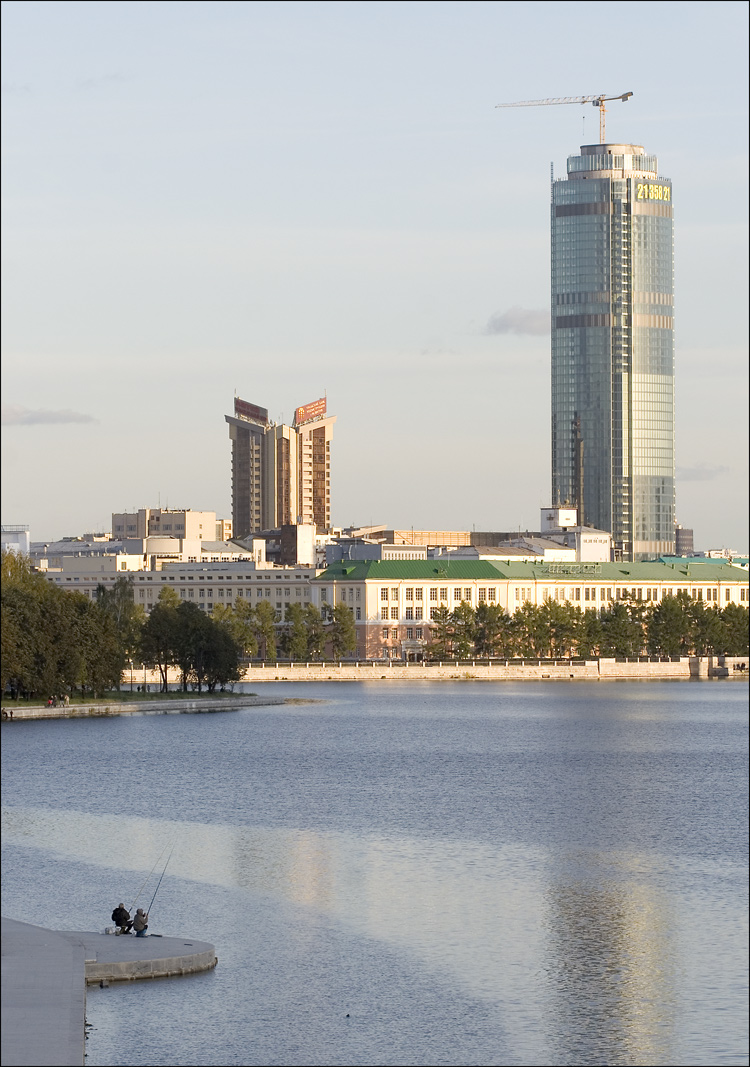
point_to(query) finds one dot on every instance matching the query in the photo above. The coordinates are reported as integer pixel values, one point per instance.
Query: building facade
(613, 347)
(281, 475)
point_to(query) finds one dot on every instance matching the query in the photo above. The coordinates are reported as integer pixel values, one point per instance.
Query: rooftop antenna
(597, 101)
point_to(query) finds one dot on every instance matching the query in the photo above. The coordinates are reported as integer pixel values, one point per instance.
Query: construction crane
(597, 101)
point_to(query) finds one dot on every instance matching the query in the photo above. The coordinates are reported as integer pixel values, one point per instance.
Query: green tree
(669, 628)
(342, 632)
(556, 628)
(159, 635)
(528, 630)
(491, 630)
(316, 632)
(621, 636)
(708, 630)
(127, 616)
(294, 635)
(441, 634)
(264, 627)
(463, 625)
(736, 630)
(588, 635)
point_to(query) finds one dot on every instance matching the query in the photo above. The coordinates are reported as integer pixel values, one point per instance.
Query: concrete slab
(43, 997)
(44, 977)
(124, 958)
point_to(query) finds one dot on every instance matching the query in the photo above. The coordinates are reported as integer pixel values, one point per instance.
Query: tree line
(56, 641)
(674, 626)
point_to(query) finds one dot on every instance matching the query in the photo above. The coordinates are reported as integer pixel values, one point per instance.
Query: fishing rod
(153, 898)
(158, 859)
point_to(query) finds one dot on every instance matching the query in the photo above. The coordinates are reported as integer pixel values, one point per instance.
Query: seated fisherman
(121, 919)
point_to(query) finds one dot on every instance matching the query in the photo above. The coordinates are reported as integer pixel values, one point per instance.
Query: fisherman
(140, 923)
(121, 919)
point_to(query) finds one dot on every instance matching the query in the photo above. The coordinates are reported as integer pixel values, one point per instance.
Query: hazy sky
(284, 200)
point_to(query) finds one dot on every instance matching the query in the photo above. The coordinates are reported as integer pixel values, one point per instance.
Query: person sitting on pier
(121, 919)
(140, 923)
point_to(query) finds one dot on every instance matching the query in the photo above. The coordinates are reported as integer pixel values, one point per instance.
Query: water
(433, 873)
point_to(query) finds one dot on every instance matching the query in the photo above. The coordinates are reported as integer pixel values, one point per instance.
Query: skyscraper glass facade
(613, 347)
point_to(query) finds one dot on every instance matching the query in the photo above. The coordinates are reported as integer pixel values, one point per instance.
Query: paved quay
(44, 977)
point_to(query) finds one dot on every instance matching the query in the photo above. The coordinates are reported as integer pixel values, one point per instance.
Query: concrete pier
(44, 977)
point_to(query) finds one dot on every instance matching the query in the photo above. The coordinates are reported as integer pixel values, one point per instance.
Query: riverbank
(173, 705)
(681, 668)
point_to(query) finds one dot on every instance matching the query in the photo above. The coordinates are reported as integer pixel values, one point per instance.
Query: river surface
(425, 873)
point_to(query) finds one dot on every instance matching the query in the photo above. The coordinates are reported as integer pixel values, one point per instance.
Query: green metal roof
(430, 570)
(420, 570)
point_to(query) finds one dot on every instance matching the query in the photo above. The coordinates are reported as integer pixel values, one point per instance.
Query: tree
(441, 633)
(736, 630)
(668, 628)
(241, 622)
(294, 634)
(621, 636)
(491, 630)
(588, 635)
(556, 627)
(316, 632)
(264, 627)
(527, 631)
(127, 616)
(463, 623)
(159, 635)
(342, 632)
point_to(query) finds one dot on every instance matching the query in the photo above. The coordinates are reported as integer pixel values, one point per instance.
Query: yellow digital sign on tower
(652, 191)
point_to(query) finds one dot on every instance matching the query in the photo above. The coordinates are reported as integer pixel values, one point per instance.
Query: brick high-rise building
(281, 475)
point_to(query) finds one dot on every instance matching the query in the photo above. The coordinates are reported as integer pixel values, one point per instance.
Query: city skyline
(288, 201)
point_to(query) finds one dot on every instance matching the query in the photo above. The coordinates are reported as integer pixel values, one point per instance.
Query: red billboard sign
(243, 410)
(310, 411)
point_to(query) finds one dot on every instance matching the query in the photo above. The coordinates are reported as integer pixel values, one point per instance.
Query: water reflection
(610, 969)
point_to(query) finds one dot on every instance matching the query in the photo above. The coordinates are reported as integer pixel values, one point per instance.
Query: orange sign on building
(310, 411)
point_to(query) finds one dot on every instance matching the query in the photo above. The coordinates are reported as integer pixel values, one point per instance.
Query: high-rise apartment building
(613, 347)
(281, 475)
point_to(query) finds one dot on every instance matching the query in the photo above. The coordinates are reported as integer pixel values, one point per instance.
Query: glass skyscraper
(613, 347)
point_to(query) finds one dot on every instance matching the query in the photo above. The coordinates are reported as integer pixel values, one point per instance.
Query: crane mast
(597, 101)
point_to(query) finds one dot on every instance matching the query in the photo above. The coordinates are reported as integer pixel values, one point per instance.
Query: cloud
(15, 416)
(520, 320)
(700, 474)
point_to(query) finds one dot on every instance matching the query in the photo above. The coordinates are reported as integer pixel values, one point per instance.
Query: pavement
(43, 984)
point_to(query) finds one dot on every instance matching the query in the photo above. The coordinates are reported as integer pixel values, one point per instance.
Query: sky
(283, 201)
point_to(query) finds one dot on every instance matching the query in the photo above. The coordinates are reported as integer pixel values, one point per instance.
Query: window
(726, 594)
(409, 633)
(467, 594)
(491, 593)
(324, 595)
(394, 594)
(443, 593)
(359, 613)
(201, 592)
(394, 613)
(384, 593)
(418, 594)
(418, 613)
(457, 593)
(287, 592)
(433, 593)
(482, 595)
(394, 633)
(410, 613)
(385, 633)
(384, 613)
(578, 592)
(418, 632)
(433, 612)
(409, 594)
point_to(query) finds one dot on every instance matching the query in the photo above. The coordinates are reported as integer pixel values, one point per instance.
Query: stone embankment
(188, 706)
(684, 667)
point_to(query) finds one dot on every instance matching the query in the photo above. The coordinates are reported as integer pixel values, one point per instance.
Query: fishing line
(158, 859)
(153, 898)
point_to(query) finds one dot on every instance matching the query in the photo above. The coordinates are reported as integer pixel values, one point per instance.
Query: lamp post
(131, 676)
